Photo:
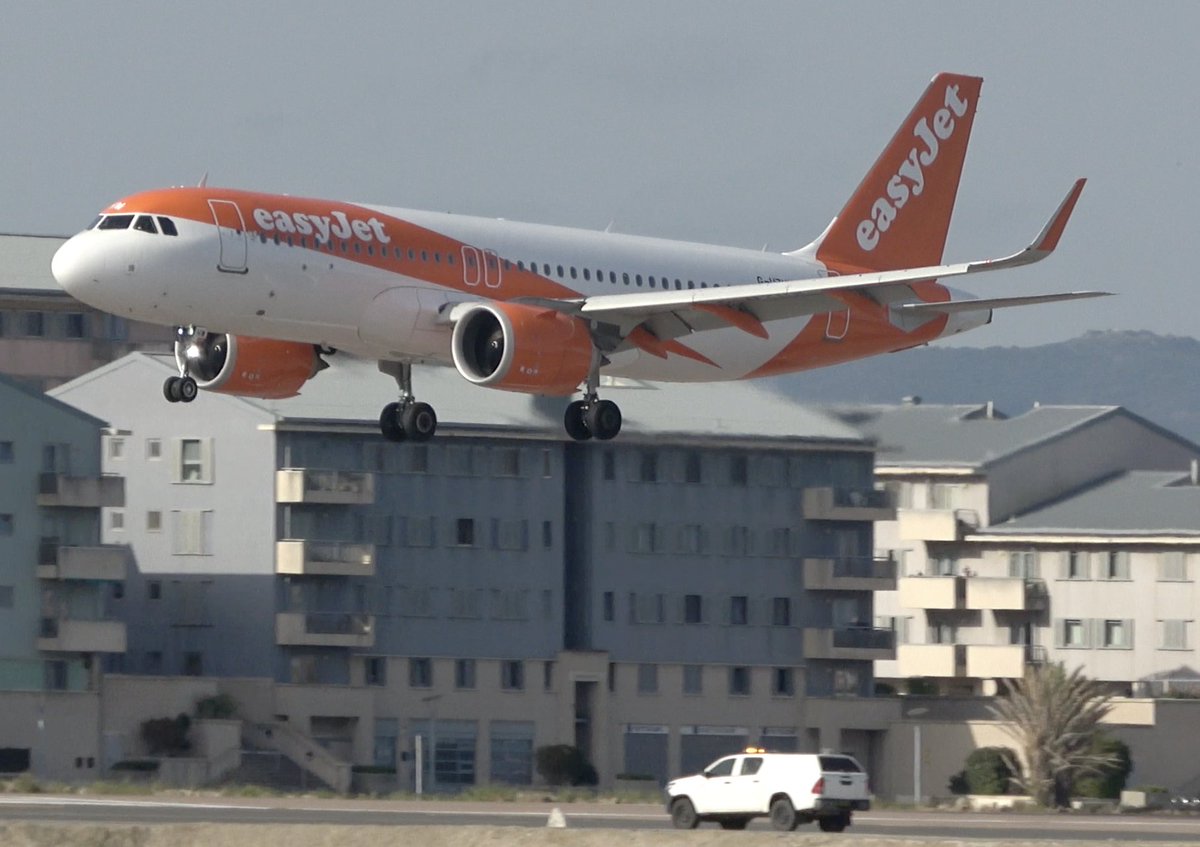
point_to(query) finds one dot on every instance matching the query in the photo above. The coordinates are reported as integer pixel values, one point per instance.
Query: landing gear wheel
(389, 422)
(603, 419)
(783, 815)
(171, 389)
(683, 814)
(573, 421)
(187, 389)
(835, 824)
(419, 421)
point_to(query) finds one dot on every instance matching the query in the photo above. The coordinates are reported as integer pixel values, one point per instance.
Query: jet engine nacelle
(246, 366)
(516, 347)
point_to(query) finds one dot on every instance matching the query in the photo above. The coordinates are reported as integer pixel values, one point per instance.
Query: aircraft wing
(672, 314)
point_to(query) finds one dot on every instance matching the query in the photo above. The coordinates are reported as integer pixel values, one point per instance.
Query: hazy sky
(737, 123)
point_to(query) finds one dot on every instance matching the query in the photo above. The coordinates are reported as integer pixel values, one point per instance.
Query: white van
(790, 788)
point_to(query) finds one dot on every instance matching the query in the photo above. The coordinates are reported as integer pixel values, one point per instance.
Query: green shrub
(563, 764)
(167, 736)
(218, 707)
(987, 771)
(1110, 781)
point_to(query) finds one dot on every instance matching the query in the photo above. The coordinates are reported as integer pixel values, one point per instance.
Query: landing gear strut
(592, 417)
(182, 388)
(405, 419)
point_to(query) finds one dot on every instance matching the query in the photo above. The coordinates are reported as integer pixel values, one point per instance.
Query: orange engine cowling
(522, 348)
(250, 367)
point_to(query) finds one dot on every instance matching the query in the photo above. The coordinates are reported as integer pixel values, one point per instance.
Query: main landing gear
(182, 388)
(592, 417)
(405, 419)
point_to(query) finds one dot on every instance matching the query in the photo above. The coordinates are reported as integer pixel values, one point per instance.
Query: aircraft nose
(75, 267)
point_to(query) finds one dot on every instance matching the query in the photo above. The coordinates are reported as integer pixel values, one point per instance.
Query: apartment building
(1019, 538)
(58, 582)
(47, 336)
(702, 583)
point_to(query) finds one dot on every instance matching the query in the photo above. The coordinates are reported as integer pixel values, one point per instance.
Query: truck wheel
(734, 823)
(783, 815)
(836, 824)
(683, 814)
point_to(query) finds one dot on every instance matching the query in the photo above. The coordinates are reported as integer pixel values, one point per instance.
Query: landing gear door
(231, 229)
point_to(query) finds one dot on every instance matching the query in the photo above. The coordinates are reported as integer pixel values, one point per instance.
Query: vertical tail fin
(899, 215)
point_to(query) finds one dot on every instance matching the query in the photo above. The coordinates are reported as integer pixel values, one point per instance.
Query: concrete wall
(60, 729)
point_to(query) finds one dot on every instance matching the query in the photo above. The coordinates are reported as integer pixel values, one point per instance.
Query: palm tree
(1054, 717)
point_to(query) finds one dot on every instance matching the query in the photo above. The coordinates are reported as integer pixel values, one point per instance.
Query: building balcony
(307, 485)
(931, 592)
(935, 524)
(850, 573)
(302, 557)
(1002, 661)
(862, 644)
(106, 562)
(324, 629)
(69, 635)
(84, 492)
(847, 504)
(944, 661)
(1006, 594)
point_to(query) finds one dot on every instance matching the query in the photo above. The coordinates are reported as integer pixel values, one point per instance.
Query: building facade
(703, 583)
(980, 595)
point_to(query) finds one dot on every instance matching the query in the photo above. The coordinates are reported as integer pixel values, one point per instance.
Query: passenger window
(652, 282)
(625, 276)
(449, 258)
(412, 254)
(639, 280)
(545, 270)
(722, 768)
(612, 277)
(678, 285)
(587, 275)
(167, 226)
(573, 272)
(424, 255)
(751, 765)
(437, 258)
(116, 222)
(691, 284)
(560, 273)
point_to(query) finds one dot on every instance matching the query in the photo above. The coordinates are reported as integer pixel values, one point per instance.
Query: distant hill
(1156, 376)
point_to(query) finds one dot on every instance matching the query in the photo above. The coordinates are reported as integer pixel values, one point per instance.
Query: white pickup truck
(789, 788)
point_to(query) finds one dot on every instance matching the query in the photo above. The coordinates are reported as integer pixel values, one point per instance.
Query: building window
(1117, 634)
(693, 679)
(153, 448)
(547, 534)
(647, 679)
(739, 541)
(191, 532)
(739, 681)
(154, 590)
(609, 603)
(420, 673)
(781, 611)
(74, 325)
(1114, 565)
(194, 460)
(33, 324)
(738, 470)
(739, 610)
(1076, 565)
(692, 469)
(375, 670)
(154, 521)
(847, 682)
(1074, 633)
(783, 683)
(6, 524)
(116, 447)
(464, 674)
(193, 663)
(693, 608)
(152, 662)
(1172, 567)
(648, 467)
(512, 675)
(464, 532)
(507, 461)
(6, 452)
(116, 520)
(54, 675)
(1022, 564)
(1175, 635)
(548, 675)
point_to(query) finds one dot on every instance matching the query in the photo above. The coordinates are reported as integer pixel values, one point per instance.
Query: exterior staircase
(301, 750)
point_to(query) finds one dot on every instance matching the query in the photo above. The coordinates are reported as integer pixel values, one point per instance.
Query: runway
(336, 812)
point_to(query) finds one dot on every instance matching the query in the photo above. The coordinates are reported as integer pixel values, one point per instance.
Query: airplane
(534, 308)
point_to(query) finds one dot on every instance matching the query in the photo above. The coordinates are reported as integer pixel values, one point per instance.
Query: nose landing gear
(405, 419)
(182, 388)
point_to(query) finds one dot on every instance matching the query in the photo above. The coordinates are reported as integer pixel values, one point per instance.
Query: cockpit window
(116, 222)
(92, 225)
(146, 224)
(167, 226)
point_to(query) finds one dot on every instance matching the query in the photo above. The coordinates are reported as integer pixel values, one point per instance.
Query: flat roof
(25, 262)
